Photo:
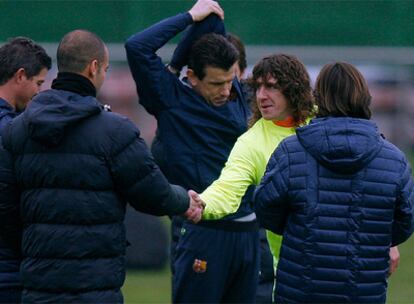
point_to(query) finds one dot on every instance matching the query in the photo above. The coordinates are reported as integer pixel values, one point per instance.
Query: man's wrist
(190, 17)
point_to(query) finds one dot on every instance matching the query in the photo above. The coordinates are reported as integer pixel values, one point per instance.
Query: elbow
(127, 46)
(271, 219)
(133, 46)
(129, 42)
(269, 223)
(130, 45)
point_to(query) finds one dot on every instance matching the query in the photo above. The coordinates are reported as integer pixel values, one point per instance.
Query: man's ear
(93, 68)
(192, 78)
(20, 75)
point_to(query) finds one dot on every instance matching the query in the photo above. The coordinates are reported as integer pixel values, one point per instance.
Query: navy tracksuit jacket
(195, 139)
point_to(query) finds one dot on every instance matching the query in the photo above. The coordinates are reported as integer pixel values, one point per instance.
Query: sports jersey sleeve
(224, 195)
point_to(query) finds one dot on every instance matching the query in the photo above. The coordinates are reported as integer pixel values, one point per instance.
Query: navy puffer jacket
(76, 166)
(9, 257)
(341, 196)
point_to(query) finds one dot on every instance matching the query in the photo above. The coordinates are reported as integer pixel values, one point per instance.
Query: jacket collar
(5, 105)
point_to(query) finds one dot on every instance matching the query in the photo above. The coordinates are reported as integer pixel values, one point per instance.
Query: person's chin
(219, 103)
(267, 115)
(264, 111)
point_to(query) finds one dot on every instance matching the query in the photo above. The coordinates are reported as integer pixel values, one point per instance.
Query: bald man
(77, 166)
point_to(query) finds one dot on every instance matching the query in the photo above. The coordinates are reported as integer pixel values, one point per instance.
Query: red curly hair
(292, 80)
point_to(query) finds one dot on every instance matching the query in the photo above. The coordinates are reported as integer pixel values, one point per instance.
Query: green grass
(155, 286)
(401, 283)
(147, 287)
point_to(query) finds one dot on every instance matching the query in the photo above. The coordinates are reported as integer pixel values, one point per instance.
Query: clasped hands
(196, 208)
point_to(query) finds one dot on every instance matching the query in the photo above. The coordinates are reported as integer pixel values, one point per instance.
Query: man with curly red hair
(282, 101)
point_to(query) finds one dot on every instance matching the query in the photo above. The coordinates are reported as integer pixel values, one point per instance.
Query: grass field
(155, 287)
(401, 284)
(147, 287)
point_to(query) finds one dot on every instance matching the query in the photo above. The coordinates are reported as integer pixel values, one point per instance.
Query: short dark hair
(341, 90)
(212, 50)
(77, 49)
(22, 52)
(236, 41)
(292, 80)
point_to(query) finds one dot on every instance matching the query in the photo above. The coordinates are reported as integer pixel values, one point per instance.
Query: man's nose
(226, 90)
(260, 92)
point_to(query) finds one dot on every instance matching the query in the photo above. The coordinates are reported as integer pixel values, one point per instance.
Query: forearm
(271, 207)
(271, 217)
(222, 198)
(153, 38)
(403, 224)
(402, 230)
(179, 201)
(152, 79)
(211, 24)
(154, 195)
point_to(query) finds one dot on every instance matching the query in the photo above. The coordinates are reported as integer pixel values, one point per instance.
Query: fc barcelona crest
(199, 266)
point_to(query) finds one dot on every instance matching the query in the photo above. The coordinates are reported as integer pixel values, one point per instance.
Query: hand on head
(203, 8)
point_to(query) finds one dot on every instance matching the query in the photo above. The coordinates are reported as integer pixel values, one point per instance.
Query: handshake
(196, 208)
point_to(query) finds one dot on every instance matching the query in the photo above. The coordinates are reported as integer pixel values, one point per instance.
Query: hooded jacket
(9, 258)
(72, 167)
(341, 195)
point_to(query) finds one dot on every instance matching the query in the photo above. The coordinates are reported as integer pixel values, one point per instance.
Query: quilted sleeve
(271, 195)
(403, 224)
(139, 179)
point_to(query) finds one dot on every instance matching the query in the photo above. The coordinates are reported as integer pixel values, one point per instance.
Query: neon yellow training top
(245, 166)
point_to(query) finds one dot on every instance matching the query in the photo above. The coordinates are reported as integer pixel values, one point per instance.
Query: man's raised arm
(151, 77)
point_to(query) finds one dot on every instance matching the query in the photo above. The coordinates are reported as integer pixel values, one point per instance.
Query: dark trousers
(266, 274)
(176, 225)
(215, 266)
